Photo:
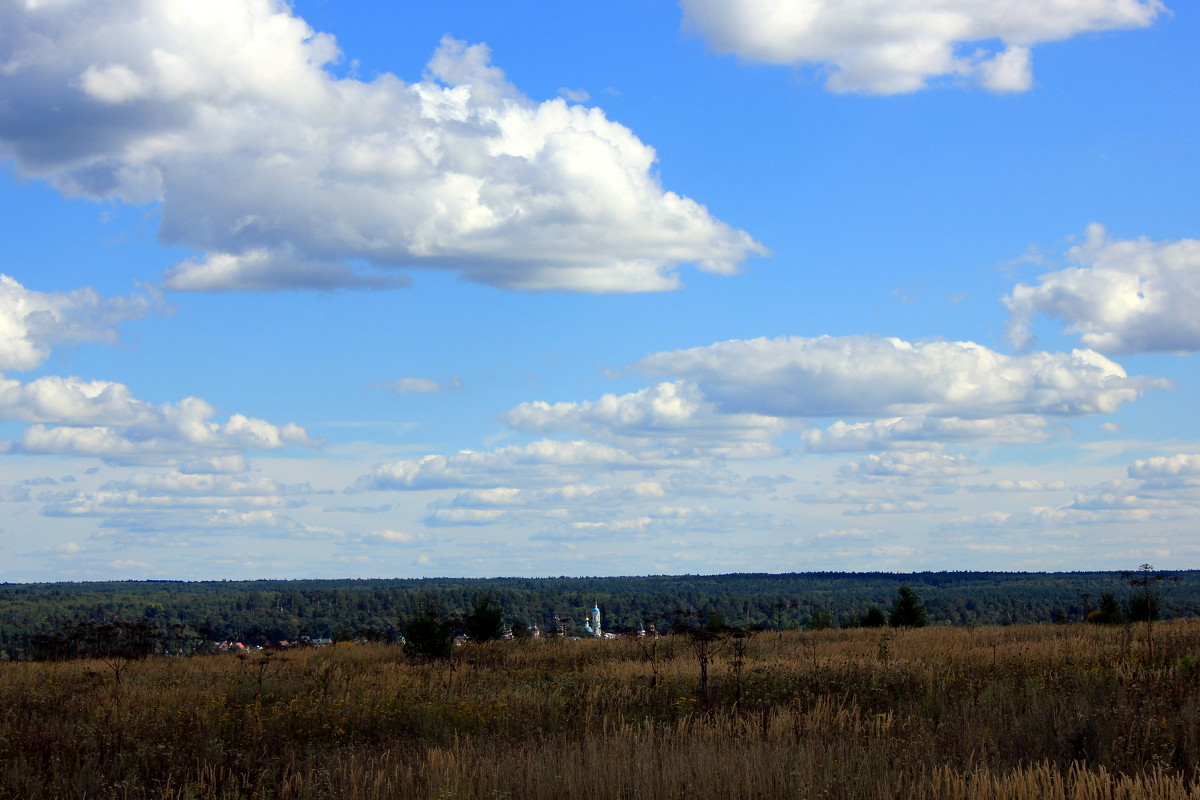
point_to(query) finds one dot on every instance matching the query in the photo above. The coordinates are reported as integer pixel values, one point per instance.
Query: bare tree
(706, 645)
(1147, 598)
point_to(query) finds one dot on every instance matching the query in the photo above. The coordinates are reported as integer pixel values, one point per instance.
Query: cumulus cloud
(1008, 485)
(904, 507)
(919, 466)
(1157, 489)
(869, 376)
(161, 506)
(544, 461)
(924, 432)
(1123, 296)
(853, 496)
(181, 484)
(896, 46)
(674, 416)
(508, 504)
(505, 497)
(662, 520)
(857, 534)
(32, 322)
(215, 465)
(103, 420)
(269, 523)
(177, 491)
(286, 176)
(387, 536)
(458, 517)
(1168, 472)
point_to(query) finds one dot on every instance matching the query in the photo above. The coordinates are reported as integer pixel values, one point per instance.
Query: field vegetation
(1068, 712)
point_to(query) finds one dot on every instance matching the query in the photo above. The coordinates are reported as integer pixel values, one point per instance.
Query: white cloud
(1159, 489)
(855, 534)
(542, 461)
(924, 432)
(506, 504)
(904, 507)
(658, 521)
(388, 536)
(918, 466)
(216, 465)
(72, 401)
(673, 416)
(1008, 485)
(132, 431)
(1168, 472)
(267, 522)
(569, 495)
(261, 270)
(181, 484)
(895, 46)
(854, 496)
(868, 376)
(286, 176)
(171, 507)
(32, 322)
(989, 521)
(1128, 296)
(420, 386)
(162, 491)
(454, 517)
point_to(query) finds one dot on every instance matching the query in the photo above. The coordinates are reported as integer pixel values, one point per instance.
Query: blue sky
(372, 289)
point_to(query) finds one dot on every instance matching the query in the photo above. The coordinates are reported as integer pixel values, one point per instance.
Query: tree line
(41, 617)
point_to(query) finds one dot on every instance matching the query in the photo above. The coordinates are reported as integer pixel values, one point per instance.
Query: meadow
(1035, 712)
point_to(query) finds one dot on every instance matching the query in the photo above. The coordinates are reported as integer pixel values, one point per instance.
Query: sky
(379, 289)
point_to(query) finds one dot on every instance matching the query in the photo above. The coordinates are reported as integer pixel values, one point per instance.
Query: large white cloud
(1122, 297)
(31, 322)
(868, 376)
(894, 46)
(285, 175)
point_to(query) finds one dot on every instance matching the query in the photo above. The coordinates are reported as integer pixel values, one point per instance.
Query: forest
(256, 612)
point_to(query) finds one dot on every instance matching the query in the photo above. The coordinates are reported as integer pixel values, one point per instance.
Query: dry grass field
(1038, 712)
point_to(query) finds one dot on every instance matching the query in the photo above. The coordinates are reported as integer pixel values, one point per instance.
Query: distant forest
(259, 611)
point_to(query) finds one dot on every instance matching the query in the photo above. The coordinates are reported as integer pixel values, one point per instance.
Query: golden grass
(1071, 712)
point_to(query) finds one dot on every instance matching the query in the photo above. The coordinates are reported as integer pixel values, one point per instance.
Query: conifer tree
(908, 611)
(486, 620)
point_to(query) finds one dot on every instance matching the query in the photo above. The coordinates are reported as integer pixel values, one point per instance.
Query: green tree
(820, 620)
(908, 611)
(874, 618)
(429, 633)
(1109, 612)
(486, 621)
